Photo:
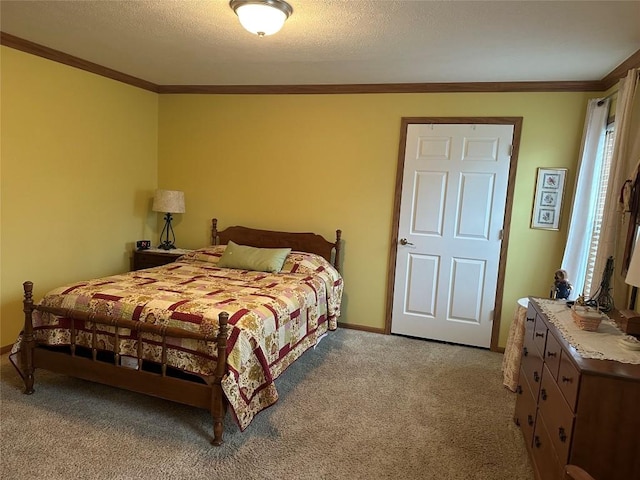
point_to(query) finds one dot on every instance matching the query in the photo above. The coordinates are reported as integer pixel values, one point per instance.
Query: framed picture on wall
(547, 203)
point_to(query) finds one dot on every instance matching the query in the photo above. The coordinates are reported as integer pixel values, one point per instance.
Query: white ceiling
(200, 42)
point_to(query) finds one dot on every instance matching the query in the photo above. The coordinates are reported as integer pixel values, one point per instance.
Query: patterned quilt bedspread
(273, 317)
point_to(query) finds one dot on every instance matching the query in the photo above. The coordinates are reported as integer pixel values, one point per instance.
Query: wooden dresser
(574, 410)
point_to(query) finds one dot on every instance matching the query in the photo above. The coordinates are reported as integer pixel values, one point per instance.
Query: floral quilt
(273, 317)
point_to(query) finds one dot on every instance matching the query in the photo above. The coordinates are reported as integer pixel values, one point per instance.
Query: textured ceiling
(200, 42)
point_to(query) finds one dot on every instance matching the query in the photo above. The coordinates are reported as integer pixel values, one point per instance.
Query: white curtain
(622, 167)
(583, 210)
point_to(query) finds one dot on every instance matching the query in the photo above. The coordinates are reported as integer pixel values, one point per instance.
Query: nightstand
(155, 257)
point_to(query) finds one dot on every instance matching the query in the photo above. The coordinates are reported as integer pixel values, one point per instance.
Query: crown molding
(468, 87)
(57, 56)
(460, 87)
(621, 70)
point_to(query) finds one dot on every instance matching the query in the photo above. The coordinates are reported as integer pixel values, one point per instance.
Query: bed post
(218, 402)
(28, 343)
(214, 231)
(336, 262)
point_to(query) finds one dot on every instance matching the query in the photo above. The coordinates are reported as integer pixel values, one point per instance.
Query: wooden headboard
(302, 242)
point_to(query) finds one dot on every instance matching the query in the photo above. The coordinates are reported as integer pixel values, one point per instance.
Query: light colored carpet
(359, 406)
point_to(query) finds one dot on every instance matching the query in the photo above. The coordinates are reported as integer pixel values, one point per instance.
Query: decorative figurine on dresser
(561, 286)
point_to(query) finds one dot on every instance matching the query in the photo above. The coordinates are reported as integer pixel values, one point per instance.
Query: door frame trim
(516, 122)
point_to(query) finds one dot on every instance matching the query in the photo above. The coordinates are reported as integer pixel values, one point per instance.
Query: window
(586, 235)
(599, 200)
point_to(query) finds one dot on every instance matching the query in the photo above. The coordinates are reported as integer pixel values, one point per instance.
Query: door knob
(403, 241)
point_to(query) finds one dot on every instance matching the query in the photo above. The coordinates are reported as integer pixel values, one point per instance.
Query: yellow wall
(78, 165)
(321, 162)
(81, 156)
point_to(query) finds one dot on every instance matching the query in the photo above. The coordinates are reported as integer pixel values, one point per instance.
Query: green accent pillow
(244, 257)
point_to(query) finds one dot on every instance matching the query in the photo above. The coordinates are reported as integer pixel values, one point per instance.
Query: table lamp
(630, 321)
(168, 202)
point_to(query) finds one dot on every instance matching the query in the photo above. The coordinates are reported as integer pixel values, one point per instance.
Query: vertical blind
(589, 287)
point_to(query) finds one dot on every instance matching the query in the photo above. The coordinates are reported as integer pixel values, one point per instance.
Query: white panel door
(452, 208)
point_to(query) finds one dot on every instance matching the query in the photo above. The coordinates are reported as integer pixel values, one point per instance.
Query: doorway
(454, 191)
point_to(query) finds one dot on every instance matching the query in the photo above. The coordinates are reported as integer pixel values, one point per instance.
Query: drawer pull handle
(536, 441)
(539, 334)
(529, 319)
(543, 394)
(567, 379)
(562, 434)
(530, 420)
(552, 354)
(536, 377)
(519, 389)
(525, 351)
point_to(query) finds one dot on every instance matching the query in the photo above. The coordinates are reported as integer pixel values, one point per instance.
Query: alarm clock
(143, 244)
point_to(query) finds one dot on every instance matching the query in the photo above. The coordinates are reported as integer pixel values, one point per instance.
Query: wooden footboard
(160, 384)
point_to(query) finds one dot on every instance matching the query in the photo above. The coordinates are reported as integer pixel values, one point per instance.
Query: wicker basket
(586, 318)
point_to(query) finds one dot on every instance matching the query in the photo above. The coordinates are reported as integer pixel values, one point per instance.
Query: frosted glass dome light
(261, 17)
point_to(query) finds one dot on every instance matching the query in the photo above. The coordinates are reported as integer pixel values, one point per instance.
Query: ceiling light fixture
(262, 17)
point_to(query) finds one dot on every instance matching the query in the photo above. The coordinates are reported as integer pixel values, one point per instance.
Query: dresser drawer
(540, 334)
(531, 365)
(552, 355)
(526, 408)
(530, 320)
(568, 380)
(558, 417)
(544, 455)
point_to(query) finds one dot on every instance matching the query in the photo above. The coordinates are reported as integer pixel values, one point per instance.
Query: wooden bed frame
(85, 363)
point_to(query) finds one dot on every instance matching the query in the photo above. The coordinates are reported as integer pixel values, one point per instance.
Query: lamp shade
(168, 201)
(633, 273)
(262, 17)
